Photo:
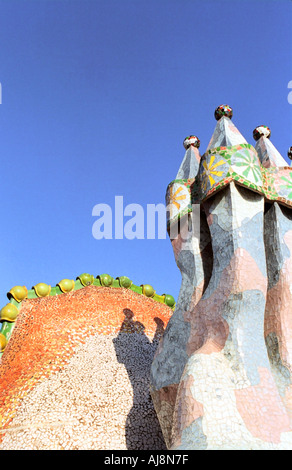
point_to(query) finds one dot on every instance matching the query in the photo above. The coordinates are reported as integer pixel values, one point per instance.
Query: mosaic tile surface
(221, 376)
(261, 169)
(75, 372)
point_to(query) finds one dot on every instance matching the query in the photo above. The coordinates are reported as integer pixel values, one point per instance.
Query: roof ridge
(9, 313)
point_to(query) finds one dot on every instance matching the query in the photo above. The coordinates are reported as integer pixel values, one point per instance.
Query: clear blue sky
(97, 98)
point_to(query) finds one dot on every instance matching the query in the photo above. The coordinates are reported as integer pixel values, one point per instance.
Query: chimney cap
(223, 110)
(191, 141)
(261, 131)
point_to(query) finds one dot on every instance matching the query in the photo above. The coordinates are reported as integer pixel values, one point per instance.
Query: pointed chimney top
(268, 154)
(261, 131)
(223, 110)
(190, 165)
(191, 141)
(225, 133)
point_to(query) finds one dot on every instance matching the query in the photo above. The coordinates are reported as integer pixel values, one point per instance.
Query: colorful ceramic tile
(221, 378)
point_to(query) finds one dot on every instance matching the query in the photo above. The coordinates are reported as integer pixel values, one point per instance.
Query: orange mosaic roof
(48, 330)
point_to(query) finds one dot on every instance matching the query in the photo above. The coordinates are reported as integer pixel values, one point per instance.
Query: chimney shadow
(134, 349)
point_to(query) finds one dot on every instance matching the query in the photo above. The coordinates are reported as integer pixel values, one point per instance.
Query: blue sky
(97, 98)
